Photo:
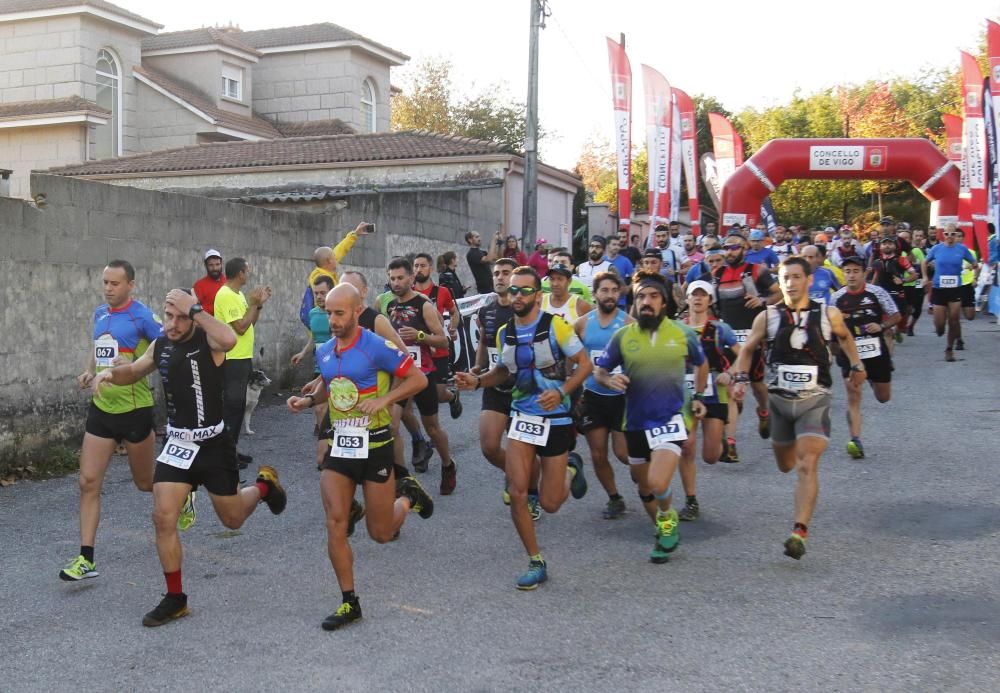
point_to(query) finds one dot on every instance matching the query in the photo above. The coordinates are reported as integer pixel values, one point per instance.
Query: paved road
(898, 591)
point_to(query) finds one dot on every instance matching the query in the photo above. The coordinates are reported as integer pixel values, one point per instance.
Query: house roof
(49, 107)
(197, 37)
(18, 6)
(298, 151)
(313, 128)
(325, 32)
(191, 96)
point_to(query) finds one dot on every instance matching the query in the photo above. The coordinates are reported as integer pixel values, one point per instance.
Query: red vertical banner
(728, 146)
(659, 120)
(953, 150)
(689, 155)
(974, 149)
(621, 91)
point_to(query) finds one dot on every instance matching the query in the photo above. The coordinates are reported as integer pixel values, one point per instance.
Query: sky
(744, 54)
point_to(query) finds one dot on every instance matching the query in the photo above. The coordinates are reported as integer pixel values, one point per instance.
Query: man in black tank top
(797, 332)
(198, 449)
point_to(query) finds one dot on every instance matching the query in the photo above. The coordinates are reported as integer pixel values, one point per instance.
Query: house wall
(24, 149)
(204, 72)
(165, 124)
(41, 59)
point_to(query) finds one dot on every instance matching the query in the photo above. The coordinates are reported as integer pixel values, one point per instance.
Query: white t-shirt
(586, 271)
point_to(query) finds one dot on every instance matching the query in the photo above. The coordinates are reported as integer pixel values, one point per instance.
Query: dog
(258, 381)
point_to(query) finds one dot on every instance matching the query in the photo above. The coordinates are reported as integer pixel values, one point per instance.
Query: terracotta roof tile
(313, 128)
(12, 6)
(413, 144)
(309, 33)
(254, 125)
(197, 37)
(48, 107)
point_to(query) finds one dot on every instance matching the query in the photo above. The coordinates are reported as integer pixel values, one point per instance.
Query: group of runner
(637, 359)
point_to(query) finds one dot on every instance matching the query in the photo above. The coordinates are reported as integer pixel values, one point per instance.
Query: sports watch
(194, 310)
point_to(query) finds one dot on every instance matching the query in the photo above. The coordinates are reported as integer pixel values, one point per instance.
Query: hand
(297, 359)
(550, 399)
(476, 370)
(453, 335)
(408, 334)
(897, 281)
(373, 406)
(362, 229)
(753, 302)
(297, 404)
(858, 378)
(873, 328)
(698, 409)
(260, 295)
(100, 380)
(84, 379)
(467, 381)
(181, 300)
(723, 379)
(619, 382)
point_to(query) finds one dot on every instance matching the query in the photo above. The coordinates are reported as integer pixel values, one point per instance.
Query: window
(108, 139)
(232, 81)
(367, 106)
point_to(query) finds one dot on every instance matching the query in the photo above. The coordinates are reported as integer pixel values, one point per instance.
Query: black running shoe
(959, 345)
(578, 484)
(244, 460)
(276, 499)
(354, 516)
(455, 405)
(170, 608)
(422, 453)
(346, 613)
(420, 501)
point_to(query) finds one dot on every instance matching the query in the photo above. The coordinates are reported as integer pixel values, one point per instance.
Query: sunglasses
(950, 233)
(732, 247)
(521, 290)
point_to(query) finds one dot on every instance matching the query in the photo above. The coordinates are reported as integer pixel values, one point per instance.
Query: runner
(534, 347)
(890, 271)
(969, 276)
(601, 408)
(946, 295)
(561, 256)
(869, 312)
(419, 324)
(717, 342)
(913, 290)
(596, 262)
(652, 261)
(824, 280)
(782, 245)
(797, 332)
(561, 301)
(319, 333)
(653, 354)
(445, 304)
(759, 254)
(198, 450)
(123, 330)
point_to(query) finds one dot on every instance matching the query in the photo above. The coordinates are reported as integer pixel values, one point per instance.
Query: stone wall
(24, 149)
(51, 261)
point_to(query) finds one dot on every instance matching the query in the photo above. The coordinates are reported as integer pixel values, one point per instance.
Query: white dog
(258, 381)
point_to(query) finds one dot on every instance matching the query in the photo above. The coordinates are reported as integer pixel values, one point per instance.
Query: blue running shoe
(578, 485)
(535, 576)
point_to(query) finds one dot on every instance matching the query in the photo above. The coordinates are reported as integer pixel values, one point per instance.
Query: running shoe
(534, 507)
(795, 546)
(690, 512)
(276, 498)
(898, 336)
(78, 569)
(667, 535)
(614, 509)
(949, 355)
(188, 514)
(422, 453)
(909, 333)
(346, 613)
(959, 345)
(855, 449)
(448, 478)
(420, 501)
(354, 516)
(578, 484)
(244, 460)
(506, 495)
(536, 575)
(169, 609)
(729, 454)
(455, 405)
(658, 554)
(764, 424)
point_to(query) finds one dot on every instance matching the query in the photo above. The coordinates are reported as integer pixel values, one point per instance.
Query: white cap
(703, 285)
(212, 252)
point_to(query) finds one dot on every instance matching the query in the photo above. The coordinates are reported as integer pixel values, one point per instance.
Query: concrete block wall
(25, 149)
(165, 124)
(40, 59)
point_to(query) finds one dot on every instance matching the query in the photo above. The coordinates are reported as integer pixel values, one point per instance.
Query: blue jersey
(948, 264)
(319, 325)
(624, 266)
(824, 283)
(697, 269)
(595, 339)
(123, 334)
(764, 256)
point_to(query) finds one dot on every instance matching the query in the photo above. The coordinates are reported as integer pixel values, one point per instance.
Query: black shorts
(133, 427)
(718, 411)
(757, 366)
(968, 295)
(426, 399)
(215, 467)
(377, 467)
(601, 411)
(494, 400)
(902, 305)
(878, 369)
(442, 369)
(942, 297)
(561, 440)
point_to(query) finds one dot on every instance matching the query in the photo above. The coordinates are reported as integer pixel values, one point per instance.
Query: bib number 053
(350, 442)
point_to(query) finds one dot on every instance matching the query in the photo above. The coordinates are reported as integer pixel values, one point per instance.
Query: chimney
(5, 182)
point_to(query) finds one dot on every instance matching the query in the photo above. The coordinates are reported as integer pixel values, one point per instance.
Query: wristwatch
(421, 335)
(858, 367)
(194, 310)
(698, 397)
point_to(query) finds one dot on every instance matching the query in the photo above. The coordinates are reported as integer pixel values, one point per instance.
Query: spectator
(513, 250)
(539, 260)
(209, 285)
(326, 260)
(447, 266)
(481, 261)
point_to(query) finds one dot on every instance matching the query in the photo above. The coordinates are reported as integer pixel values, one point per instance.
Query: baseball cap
(756, 235)
(212, 252)
(703, 285)
(853, 260)
(653, 252)
(541, 242)
(560, 268)
(885, 221)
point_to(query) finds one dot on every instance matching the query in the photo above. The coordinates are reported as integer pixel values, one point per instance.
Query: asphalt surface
(897, 593)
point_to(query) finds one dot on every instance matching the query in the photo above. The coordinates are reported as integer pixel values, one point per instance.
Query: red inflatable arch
(913, 159)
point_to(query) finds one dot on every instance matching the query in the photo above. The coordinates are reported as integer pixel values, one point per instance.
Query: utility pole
(529, 215)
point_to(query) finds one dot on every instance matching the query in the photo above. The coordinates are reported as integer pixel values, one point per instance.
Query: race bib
(533, 430)
(593, 358)
(494, 354)
(350, 442)
(105, 351)
(709, 387)
(741, 335)
(416, 352)
(868, 347)
(178, 453)
(669, 434)
(797, 378)
(948, 281)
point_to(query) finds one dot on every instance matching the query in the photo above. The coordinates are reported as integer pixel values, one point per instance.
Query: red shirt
(444, 304)
(205, 290)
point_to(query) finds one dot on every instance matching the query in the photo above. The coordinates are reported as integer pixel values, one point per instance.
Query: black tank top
(367, 319)
(192, 383)
(814, 350)
(411, 314)
(492, 317)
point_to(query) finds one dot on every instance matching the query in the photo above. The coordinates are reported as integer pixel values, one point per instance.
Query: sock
(536, 558)
(533, 492)
(691, 500)
(731, 441)
(263, 488)
(87, 552)
(174, 582)
(572, 471)
(614, 496)
(417, 437)
(762, 413)
(801, 530)
(349, 596)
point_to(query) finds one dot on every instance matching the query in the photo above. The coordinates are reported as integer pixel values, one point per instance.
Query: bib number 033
(533, 430)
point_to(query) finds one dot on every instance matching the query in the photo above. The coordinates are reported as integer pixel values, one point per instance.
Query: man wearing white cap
(209, 285)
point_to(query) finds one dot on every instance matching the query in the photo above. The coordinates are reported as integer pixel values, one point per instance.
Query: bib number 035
(533, 430)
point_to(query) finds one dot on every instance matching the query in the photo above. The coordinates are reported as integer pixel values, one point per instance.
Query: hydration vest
(780, 326)
(544, 360)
